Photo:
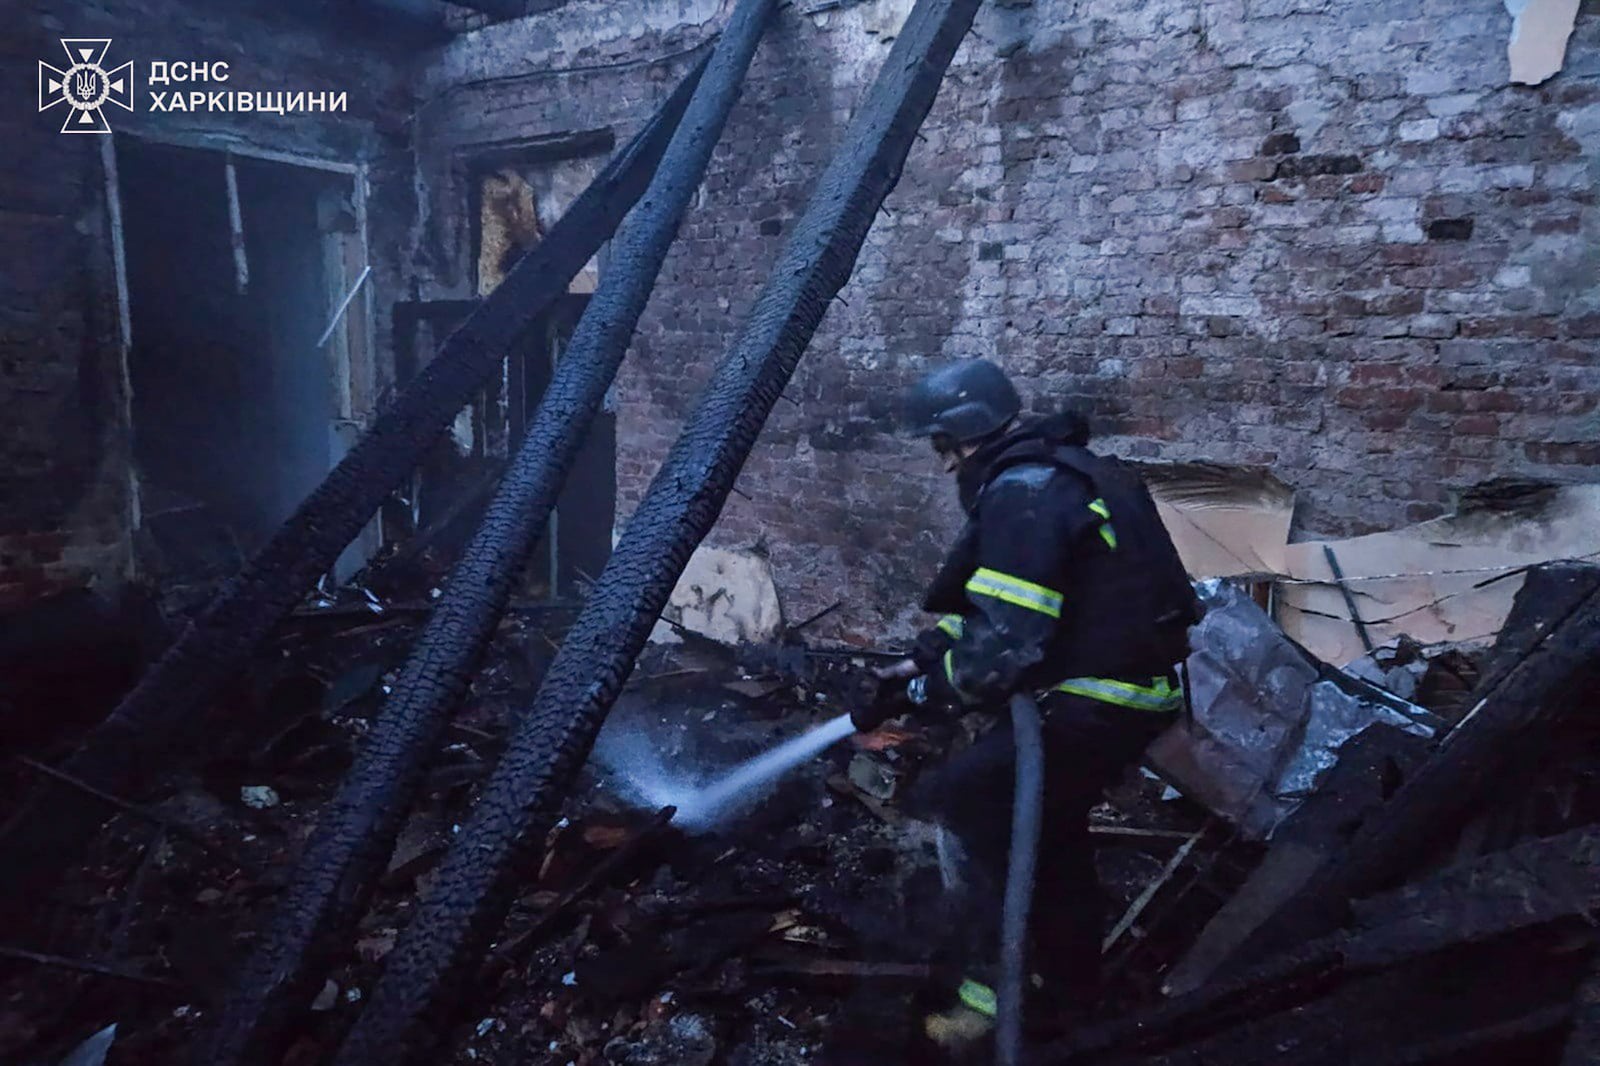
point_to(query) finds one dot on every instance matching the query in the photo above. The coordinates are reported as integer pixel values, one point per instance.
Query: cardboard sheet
(1225, 522)
(1448, 580)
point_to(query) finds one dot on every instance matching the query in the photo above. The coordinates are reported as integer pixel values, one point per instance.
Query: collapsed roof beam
(421, 991)
(357, 832)
(157, 729)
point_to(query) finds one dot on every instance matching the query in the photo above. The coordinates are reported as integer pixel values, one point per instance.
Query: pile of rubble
(1431, 899)
(1396, 862)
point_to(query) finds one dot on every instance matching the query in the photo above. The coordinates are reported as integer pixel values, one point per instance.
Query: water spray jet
(703, 804)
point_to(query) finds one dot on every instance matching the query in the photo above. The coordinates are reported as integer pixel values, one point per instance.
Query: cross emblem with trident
(85, 86)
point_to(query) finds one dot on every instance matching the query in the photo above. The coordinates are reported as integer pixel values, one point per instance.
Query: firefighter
(1063, 584)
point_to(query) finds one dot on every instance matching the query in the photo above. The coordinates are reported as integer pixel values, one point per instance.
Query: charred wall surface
(69, 507)
(1327, 238)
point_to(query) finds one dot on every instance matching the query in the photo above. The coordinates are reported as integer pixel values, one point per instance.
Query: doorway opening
(240, 388)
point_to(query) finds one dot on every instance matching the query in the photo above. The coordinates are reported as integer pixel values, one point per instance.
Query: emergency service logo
(86, 86)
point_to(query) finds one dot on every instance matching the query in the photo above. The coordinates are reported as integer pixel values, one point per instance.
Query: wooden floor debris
(1432, 901)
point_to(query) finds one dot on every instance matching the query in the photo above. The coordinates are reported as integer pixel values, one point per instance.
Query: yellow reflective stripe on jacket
(1014, 590)
(979, 996)
(1107, 534)
(1160, 695)
(952, 624)
(950, 675)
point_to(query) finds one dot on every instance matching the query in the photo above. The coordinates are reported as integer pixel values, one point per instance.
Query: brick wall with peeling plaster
(1324, 237)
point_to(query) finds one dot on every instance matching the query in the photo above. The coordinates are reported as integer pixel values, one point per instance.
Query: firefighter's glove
(892, 698)
(928, 651)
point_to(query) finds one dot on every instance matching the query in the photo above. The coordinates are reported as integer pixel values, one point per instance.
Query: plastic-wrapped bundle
(1269, 717)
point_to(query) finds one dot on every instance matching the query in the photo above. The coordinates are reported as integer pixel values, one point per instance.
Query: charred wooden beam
(1545, 883)
(1370, 768)
(1435, 1010)
(1555, 629)
(357, 832)
(438, 952)
(157, 729)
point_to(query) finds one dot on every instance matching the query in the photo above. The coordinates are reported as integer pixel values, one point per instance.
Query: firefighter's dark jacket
(1064, 577)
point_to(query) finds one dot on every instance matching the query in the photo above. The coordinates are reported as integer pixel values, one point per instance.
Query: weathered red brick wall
(1324, 237)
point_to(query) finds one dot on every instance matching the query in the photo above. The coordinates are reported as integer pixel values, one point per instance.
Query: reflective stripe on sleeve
(1014, 590)
(950, 676)
(952, 625)
(1159, 695)
(979, 997)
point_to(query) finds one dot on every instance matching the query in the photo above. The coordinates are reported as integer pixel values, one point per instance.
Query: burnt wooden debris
(1544, 886)
(1382, 925)
(356, 835)
(1432, 901)
(417, 998)
(1546, 662)
(1371, 767)
(157, 729)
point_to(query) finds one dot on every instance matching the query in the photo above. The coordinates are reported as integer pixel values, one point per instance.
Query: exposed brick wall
(65, 511)
(1324, 237)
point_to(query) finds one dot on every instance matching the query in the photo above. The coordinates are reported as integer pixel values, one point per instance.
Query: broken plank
(83, 966)
(1357, 786)
(511, 952)
(1142, 834)
(855, 969)
(1431, 1011)
(155, 818)
(1142, 901)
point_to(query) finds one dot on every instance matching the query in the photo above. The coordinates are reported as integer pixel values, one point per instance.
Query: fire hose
(1026, 810)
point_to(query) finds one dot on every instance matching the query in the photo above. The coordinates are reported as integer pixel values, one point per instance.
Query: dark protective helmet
(964, 401)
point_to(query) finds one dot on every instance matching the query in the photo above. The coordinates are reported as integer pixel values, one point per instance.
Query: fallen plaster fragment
(726, 595)
(328, 998)
(1539, 33)
(461, 434)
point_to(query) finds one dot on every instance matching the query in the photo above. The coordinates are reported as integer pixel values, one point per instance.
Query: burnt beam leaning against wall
(418, 998)
(356, 834)
(155, 730)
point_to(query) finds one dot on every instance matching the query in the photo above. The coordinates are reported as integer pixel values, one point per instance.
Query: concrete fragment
(1539, 32)
(872, 776)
